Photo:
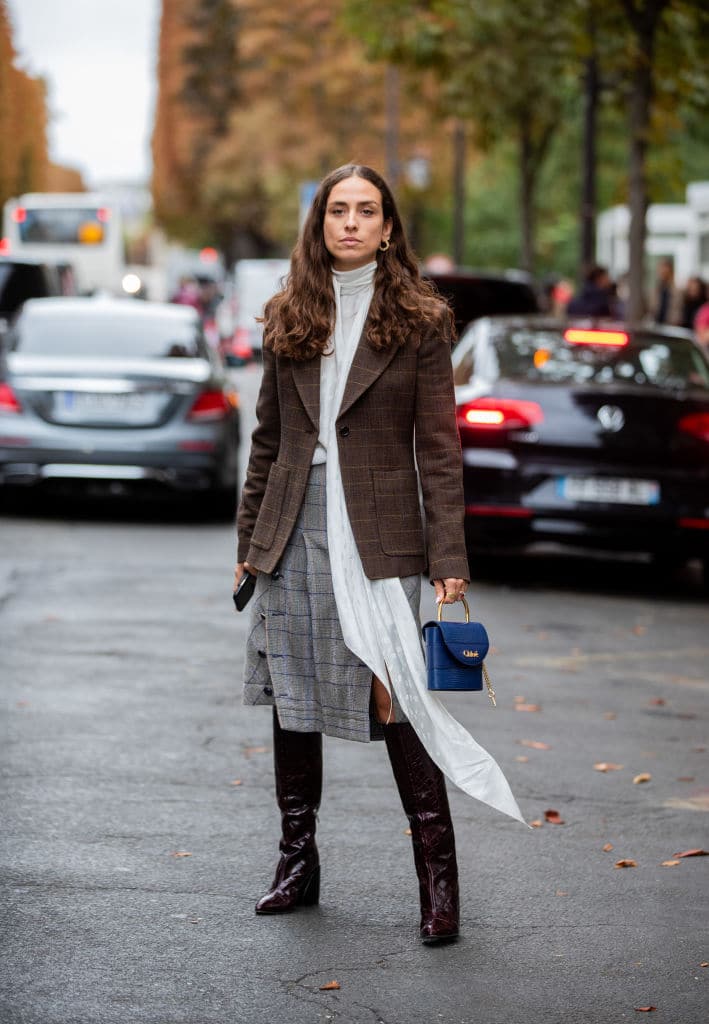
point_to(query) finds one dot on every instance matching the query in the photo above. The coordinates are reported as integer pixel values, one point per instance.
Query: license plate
(611, 490)
(78, 406)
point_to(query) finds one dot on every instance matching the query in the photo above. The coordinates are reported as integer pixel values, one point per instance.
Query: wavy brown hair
(298, 320)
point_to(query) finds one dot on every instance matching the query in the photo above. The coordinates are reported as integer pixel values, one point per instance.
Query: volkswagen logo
(611, 418)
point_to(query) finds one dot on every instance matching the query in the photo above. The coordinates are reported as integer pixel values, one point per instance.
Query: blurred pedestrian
(701, 327)
(357, 380)
(693, 297)
(666, 306)
(595, 298)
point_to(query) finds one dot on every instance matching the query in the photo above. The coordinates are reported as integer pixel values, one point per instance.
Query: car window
(544, 356)
(107, 336)
(474, 297)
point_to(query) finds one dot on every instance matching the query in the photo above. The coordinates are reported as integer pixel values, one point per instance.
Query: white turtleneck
(353, 293)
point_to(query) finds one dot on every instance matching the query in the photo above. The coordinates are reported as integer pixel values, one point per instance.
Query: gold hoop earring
(384, 245)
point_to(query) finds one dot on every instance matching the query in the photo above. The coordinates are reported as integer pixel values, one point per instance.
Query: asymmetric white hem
(375, 616)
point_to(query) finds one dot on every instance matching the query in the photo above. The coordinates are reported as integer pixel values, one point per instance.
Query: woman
(357, 392)
(693, 298)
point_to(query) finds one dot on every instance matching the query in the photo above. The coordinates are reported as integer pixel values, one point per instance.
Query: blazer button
(268, 691)
(344, 431)
(261, 654)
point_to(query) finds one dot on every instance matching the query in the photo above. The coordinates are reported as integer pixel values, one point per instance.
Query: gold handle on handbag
(486, 677)
(465, 605)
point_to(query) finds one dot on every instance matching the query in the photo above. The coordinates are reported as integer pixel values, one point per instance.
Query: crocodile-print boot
(298, 768)
(423, 794)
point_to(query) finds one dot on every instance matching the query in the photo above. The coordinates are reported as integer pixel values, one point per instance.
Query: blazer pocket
(396, 497)
(271, 509)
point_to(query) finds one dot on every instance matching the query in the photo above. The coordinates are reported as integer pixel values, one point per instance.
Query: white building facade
(676, 231)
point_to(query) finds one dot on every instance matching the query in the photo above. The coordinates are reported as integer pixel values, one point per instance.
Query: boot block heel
(310, 893)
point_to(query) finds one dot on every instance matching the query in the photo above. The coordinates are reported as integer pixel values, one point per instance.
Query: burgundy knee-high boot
(297, 759)
(423, 794)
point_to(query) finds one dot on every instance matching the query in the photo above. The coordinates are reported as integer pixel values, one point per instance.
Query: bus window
(60, 227)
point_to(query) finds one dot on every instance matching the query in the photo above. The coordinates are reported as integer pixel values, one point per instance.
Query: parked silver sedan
(118, 393)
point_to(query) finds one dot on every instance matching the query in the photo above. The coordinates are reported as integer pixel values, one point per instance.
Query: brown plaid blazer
(398, 404)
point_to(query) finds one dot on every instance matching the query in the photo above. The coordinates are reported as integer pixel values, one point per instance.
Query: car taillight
(499, 414)
(696, 424)
(212, 405)
(9, 401)
(578, 336)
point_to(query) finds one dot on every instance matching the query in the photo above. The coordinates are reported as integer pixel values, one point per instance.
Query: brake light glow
(9, 401)
(212, 405)
(4, 246)
(696, 424)
(499, 414)
(103, 214)
(579, 336)
(19, 215)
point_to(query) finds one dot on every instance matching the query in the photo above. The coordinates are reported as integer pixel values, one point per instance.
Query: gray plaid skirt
(296, 657)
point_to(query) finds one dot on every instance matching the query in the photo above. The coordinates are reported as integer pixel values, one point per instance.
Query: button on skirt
(296, 657)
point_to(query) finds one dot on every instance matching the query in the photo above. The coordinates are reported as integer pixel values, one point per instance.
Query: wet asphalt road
(130, 858)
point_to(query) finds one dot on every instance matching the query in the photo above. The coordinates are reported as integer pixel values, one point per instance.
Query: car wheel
(220, 503)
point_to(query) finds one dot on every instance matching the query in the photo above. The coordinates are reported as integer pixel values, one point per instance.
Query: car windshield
(106, 336)
(545, 356)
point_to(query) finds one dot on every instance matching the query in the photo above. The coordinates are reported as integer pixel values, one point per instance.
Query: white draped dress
(375, 616)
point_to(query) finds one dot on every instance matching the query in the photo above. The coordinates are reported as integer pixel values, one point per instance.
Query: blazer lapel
(368, 364)
(306, 375)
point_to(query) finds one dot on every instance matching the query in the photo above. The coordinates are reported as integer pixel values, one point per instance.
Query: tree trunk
(644, 19)
(591, 94)
(458, 193)
(639, 120)
(526, 200)
(392, 89)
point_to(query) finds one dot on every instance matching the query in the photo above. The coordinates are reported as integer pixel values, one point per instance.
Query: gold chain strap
(490, 691)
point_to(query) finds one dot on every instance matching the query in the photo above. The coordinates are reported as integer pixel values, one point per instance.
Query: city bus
(77, 230)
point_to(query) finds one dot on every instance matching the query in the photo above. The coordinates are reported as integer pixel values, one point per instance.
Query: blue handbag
(455, 654)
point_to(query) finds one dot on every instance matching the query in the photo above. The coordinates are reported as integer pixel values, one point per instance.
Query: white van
(255, 282)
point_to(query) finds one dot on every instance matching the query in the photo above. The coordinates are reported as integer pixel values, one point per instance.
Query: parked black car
(473, 294)
(587, 434)
(112, 394)
(23, 279)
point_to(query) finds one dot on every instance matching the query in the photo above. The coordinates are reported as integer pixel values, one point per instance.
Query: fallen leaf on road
(658, 702)
(642, 777)
(553, 817)
(670, 863)
(407, 832)
(536, 823)
(534, 744)
(561, 892)
(527, 707)
(522, 758)
(180, 853)
(607, 766)
(704, 963)
(686, 778)
(640, 630)
(235, 782)
(329, 986)
(609, 715)
(627, 863)
(692, 853)
(645, 1009)
(608, 847)
(248, 751)
(699, 750)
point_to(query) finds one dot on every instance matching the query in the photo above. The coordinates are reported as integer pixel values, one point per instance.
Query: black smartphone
(244, 592)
